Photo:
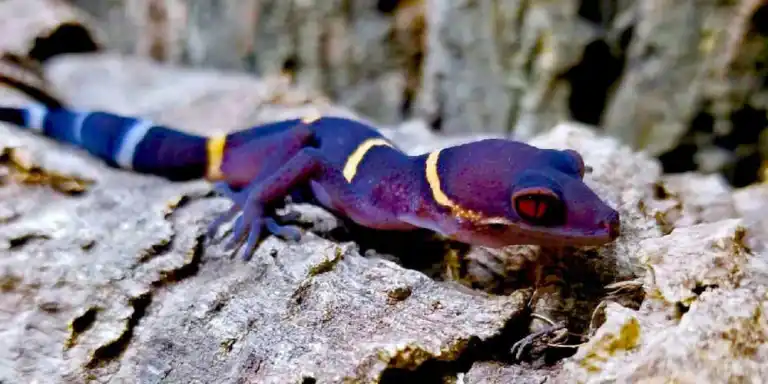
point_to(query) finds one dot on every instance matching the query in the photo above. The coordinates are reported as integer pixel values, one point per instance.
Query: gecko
(490, 192)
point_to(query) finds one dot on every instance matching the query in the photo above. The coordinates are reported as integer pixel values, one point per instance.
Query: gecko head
(549, 204)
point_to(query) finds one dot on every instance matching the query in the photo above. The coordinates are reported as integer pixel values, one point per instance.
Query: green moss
(626, 340)
(9, 283)
(413, 356)
(628, 337)
(327, 264)
(746, 336)
(398, 294)
(226, 345)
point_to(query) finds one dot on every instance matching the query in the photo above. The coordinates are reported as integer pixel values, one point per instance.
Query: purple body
(478, 193)
(491, 192)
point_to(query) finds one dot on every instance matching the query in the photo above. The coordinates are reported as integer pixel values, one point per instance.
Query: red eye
(532, 206)
(537, 205)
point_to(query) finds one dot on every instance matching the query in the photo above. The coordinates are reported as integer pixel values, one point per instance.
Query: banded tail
(124, 142)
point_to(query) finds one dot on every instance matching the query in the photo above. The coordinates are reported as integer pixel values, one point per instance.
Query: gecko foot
(250, 225)
(251, 221)
(275, 225)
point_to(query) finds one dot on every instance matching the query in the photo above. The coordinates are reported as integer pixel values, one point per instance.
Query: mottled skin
(491, 192)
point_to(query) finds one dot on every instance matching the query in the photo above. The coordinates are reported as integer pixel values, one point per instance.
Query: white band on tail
(131, 139)
(35, 117)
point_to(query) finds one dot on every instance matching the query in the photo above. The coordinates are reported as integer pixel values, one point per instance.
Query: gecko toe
(286, 232)
(238, 232)
(254, 235)
(213, 227)
(250, 222)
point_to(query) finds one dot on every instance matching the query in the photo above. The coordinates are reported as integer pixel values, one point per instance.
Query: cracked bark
(137, 293)
(114, 283)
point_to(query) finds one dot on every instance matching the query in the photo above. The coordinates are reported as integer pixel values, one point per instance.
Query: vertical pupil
(535, 209)
(533, 206)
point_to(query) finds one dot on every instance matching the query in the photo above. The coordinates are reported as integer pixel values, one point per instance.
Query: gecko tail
(121, 141)
(61, 124)
(16, 116)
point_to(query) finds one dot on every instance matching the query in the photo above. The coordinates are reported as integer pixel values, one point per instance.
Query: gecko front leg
(273, 222)
(309, 166)
(261, 193)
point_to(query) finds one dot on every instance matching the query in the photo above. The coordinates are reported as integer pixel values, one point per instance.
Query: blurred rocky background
(104, 277)
(681, 79)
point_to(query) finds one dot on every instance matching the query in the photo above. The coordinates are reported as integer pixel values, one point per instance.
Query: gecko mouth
(601, 233)
(613, 228)
(560, 238)
(607, 231)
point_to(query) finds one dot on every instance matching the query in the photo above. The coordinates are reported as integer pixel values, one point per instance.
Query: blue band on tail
(120, 141)
(103, 135)
(173, 154)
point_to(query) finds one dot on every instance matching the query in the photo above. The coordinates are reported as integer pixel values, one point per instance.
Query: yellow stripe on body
(215, 150)
(354, 160)
(433, 179)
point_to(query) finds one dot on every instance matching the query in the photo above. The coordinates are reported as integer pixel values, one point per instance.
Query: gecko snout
(612, 224)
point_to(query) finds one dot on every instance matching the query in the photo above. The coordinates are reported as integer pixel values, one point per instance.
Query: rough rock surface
(114, 283)
(691, 198)
(703, 319)
(751, 203)
(104, 276)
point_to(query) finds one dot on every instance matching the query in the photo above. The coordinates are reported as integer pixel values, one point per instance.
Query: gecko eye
(538, 206)
(579, 162)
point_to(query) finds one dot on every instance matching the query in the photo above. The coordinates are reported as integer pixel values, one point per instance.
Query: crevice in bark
(115, 348)
(591, 81)
(67, 38)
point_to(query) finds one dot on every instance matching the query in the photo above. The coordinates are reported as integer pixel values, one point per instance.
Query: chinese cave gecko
(490, 192)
